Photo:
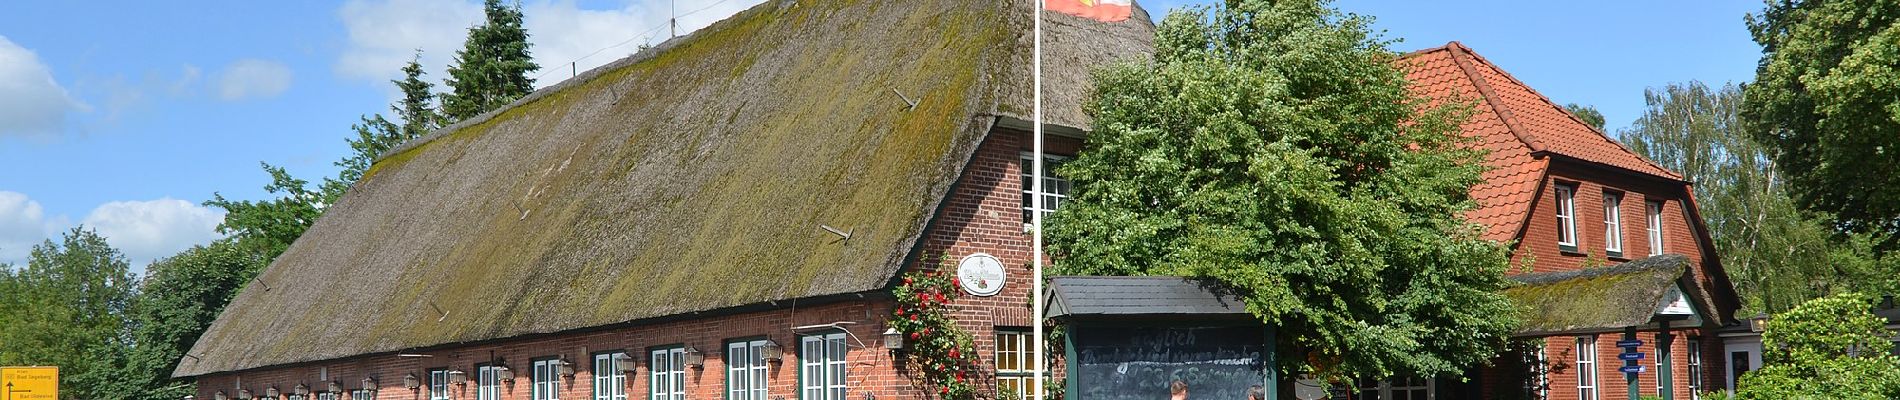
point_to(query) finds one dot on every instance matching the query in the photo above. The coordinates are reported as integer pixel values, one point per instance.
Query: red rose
(907, 280)
(913, 317)
(900, 312)
(926, 330)
(953, 353)
(923, 297)
(945, 390)
(914, 336)
(942, 299)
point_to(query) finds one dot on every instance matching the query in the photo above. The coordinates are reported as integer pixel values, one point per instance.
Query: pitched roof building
(693, 219)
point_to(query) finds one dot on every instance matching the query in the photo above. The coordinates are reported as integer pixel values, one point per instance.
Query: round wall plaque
(981, 274)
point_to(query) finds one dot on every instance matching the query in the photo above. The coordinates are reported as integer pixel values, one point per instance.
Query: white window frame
(1695, 367)
(610, 383)
(327, 395)
(487, 382)
(294, 396)
(1538, 384)
(668, 369)
(438, 384)
(1566, 217)
(746, 370)
(1613, 224)
(822, 369)
(1054, 186)
(1655, 227)
(1015, 362)
(1587, 373)
(1387, 389)
(363, 394)
(546, 375)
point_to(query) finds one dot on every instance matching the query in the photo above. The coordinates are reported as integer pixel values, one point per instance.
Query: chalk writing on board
(1139, 362)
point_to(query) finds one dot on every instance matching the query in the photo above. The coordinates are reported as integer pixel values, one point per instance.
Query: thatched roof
(691, 177)
(1604, 299)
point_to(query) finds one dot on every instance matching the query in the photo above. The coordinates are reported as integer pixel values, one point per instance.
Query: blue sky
(125, 116)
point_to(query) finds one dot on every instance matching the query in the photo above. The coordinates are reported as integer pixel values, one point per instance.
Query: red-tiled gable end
(1519, 127)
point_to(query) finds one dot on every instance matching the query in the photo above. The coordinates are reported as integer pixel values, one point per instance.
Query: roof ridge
(1566, 112)
(1459, 55)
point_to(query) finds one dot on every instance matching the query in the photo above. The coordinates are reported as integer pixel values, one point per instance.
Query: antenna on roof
(843, 234)
(907, 100)
(438, 309)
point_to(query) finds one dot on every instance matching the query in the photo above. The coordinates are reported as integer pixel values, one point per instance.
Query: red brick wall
(1538, 245)
(983, 214)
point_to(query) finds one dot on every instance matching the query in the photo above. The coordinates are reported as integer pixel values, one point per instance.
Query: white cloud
(251, 78)
(22, 225)
(384, 34)
(149, 230)
(31, 102)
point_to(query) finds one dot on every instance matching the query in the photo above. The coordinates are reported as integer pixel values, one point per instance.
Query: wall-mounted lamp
(504, 374)
(301, 390)
(272, 392)
(369, 383)
(411, 381)
(244, 394)
(624, 363)
(334, 386)
(458, 377)
(221, 396)
(893, 340)
(1758, 323)
(566, 367)
(695, 358)
(771, 351)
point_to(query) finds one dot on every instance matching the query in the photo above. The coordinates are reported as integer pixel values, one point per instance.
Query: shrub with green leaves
(1827, 348)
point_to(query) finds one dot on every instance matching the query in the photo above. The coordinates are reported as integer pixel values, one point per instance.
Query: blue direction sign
(1629, 343)
(1633, 369)
(1630, 356)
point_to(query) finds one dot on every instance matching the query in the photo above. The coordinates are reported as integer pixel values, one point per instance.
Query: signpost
(1634, 369)
(1629, 343)
(29, 383)
(1630, 356)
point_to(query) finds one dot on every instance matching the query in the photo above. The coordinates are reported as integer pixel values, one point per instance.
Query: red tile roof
(1519, 127)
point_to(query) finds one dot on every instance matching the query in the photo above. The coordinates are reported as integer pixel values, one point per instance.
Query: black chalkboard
(1116, 363)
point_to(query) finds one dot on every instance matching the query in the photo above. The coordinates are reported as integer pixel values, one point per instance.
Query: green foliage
(1274, 147)
(1588, 114)
(179, 298)
(1826, 98)
(941, 354)
(1777, 254)
(1826, 348)
(376, 135)
(492, 68)
(67, 308)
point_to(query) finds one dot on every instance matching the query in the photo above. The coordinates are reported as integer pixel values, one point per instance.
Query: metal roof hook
(907, 100)
(843, 235)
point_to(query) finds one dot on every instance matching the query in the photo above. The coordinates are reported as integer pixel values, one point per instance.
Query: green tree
(1826, 348)
(1778, 255)
(492, 68)
(1826, 98)
(1273, 148)
(1588, 114)
(179, 298)
(67, 308)
(376, 135)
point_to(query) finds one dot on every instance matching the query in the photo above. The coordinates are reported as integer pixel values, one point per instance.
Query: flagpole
(1042, 364)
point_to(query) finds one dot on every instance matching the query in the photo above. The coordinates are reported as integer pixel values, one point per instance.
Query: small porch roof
(1641, 294)
(1139, 297)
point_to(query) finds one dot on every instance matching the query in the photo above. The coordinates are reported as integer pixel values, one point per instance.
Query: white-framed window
(1566, 217)
(821, 360)
(328, 395)
(1537, 362)
(547, 379)
(1055, 189)
(1695, 368)
(1395, 389)
(609, 382)
(1015, 363)
(745, 370)
(668, 367)
(362, 394)
(1613, 224)
(1655, 227)
(1587, 367)
(487, 382)
(439, 384)
(296, 397)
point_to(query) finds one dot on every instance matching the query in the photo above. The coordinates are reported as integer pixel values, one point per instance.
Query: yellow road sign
(29, 383)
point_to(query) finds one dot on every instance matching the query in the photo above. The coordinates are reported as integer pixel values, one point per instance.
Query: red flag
(1099, 10)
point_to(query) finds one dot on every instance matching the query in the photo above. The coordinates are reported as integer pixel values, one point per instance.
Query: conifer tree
(492, 68)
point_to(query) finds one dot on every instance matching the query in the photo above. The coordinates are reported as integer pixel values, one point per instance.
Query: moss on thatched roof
(690, 177)
(1593, 300)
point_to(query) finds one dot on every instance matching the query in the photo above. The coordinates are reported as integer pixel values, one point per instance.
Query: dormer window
(1566, 218)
